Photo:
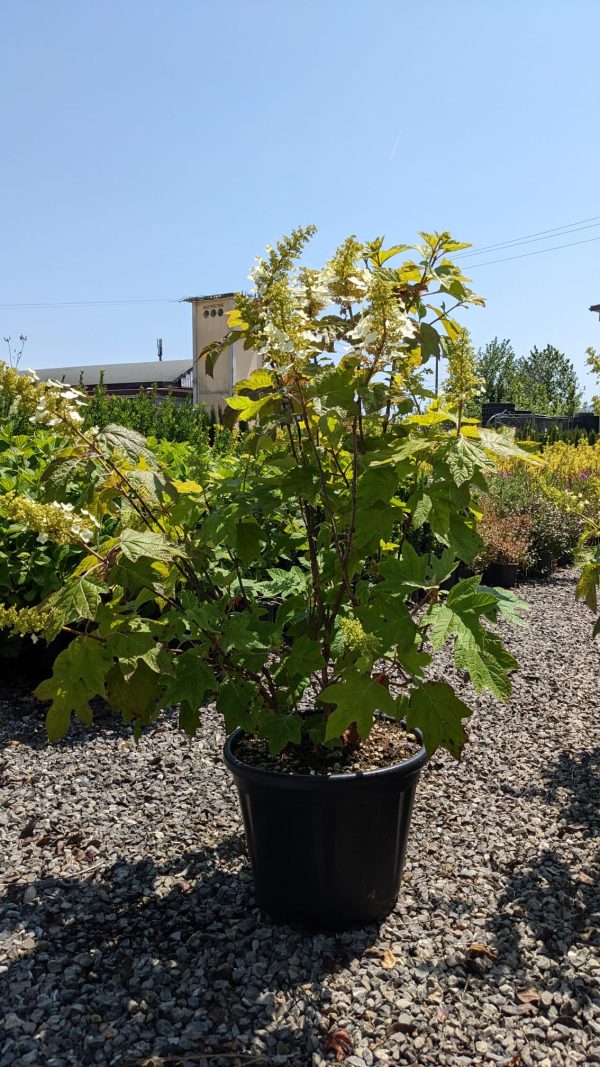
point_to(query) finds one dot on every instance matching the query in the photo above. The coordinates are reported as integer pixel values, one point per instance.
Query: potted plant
(326, 697)
(506, 546)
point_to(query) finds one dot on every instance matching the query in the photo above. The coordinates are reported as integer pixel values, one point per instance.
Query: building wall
(209, 323)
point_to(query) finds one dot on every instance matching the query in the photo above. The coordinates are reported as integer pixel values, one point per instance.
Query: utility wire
(538, 252)
(90, 303)
(532, 239)
(554, 232)
(529, 238)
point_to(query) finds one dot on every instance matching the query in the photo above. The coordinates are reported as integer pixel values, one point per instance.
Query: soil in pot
(327, 849)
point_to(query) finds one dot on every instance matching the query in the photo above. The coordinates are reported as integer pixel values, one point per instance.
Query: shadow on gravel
(25, 723)
(160, 961)
(555, 901)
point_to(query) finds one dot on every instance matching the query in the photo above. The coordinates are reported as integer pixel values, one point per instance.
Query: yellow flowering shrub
(571, 477)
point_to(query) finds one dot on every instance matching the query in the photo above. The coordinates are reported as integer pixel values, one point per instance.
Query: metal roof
(167, 371)
(207, 296)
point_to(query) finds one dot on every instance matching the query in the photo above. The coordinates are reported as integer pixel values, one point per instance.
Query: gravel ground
(128, 930)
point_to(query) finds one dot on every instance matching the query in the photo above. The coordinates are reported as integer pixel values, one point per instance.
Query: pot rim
(407, 767)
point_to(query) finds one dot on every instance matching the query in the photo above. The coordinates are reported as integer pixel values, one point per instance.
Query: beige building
(209, 323)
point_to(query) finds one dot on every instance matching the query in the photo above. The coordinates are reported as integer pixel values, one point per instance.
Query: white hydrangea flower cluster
(59, 405)
(59, 523)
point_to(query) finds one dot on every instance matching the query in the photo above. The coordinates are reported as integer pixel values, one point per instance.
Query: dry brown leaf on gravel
(338, 1042)
(572, 828)
(388, 960)
(385, 955)
(435, 997)
(528, 996)
(476, 949)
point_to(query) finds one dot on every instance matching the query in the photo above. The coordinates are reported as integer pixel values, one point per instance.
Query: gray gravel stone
(128, 931)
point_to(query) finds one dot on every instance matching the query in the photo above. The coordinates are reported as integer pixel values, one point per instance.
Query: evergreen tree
(496, 364)
(546, 382)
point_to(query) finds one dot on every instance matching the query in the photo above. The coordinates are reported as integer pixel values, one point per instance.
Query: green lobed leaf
(435, 710)
(304, 658)
(127, 442)
(79, 675)
(465, 540)
(57, 477)
(192, 681)
(487, 662)
(430, 342)
(248, 542)
(476, 649)
(75, 601)
(463, 458)
(357, 697)
(508, 604)
(235, 701)
(136, 696)
(132, 648)
(587, 586)
(139, 544)
(404, 574)
(281, 730)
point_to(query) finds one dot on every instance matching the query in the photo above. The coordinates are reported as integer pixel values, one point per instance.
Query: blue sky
(151, 149)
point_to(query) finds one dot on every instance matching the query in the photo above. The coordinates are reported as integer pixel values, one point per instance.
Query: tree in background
(463, 385)
(546, 382)
(593, 362)
(496, 364)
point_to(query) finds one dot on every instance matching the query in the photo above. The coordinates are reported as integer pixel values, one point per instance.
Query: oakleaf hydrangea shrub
(347, 456)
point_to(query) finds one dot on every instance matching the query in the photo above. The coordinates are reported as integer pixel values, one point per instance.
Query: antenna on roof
(159, 348)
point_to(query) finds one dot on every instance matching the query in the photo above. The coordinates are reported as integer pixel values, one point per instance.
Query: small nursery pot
(544, 565)
(503, 575)
(327, 851)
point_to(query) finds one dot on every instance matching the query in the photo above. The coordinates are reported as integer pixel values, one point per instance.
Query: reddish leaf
(338, 1042)
(382, 679)
(482, 950)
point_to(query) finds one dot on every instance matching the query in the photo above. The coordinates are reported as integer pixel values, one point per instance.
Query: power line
(89, 303)
(547, 235)
(537, 252)
(532, 239)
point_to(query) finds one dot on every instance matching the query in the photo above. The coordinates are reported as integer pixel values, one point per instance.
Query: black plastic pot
(458, 575)
(327, 852)
(544, 565)
(503, 575)
(25, 662)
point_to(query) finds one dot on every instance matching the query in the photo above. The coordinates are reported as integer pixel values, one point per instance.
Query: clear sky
(151, 148)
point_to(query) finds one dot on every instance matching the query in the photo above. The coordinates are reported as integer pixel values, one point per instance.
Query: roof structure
(207, 296)
(595, 307)
(153, 372)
